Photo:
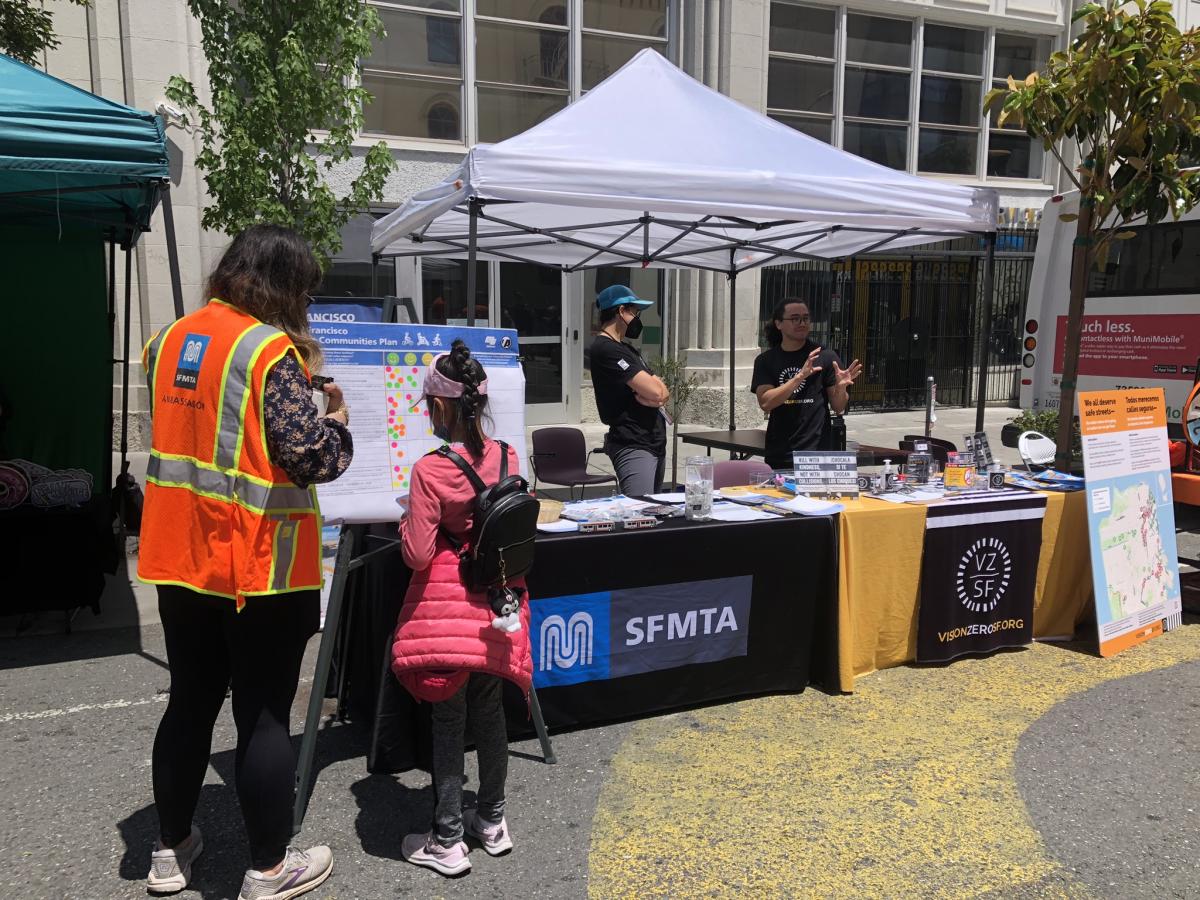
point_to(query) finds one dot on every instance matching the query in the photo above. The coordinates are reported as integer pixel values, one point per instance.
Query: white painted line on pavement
(83, 707)
(5, 718)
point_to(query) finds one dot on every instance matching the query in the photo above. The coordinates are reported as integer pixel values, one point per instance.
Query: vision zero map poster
(1131, 520)
(380, 369)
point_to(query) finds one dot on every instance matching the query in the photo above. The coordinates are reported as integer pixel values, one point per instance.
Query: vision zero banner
(609, 634)
(978, 575)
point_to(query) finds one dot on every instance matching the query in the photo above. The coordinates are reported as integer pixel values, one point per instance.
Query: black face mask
(634, 328)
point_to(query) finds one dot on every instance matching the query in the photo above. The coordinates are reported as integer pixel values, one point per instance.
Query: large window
(415, 73)
(904, 93)
(521, 65)
(1011, 153)
(520, 52)
(951, 100)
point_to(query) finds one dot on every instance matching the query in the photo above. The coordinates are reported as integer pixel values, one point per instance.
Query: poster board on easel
(380, 368)
(1131, 518)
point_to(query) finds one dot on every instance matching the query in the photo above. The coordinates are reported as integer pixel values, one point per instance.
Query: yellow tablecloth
(879, 574)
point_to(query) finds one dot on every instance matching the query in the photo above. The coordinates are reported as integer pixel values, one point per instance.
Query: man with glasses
(629, 397)
(798, 385)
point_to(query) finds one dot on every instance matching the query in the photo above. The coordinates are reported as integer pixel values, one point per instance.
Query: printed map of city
(1133, 538)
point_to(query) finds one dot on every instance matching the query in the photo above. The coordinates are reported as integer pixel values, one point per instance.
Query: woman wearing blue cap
(629, 396)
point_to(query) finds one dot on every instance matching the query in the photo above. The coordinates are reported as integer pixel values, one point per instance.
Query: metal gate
(909, 316)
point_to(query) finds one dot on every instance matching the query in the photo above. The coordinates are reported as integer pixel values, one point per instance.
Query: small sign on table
(977, 446)
(826, 473)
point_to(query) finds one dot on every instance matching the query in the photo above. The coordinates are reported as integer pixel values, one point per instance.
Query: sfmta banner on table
(977, 575)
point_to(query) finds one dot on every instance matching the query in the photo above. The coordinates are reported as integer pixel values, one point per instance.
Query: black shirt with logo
(630, 424)
(801, 422)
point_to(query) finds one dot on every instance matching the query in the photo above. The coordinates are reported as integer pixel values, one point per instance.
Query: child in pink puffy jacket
(446, 650)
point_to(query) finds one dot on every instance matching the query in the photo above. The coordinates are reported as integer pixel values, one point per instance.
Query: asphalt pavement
(1044, 772)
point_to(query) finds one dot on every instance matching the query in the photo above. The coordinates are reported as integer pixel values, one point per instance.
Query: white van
(1141, 322)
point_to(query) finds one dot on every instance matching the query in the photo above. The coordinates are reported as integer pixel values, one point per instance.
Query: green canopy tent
(78, 175)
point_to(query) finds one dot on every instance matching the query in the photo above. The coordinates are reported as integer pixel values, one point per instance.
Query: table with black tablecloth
(778, 578)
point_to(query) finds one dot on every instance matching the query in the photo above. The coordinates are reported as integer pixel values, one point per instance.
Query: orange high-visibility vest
(219, 516)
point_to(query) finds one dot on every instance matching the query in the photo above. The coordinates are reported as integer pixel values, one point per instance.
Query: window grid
(841, 120)
(437, 110)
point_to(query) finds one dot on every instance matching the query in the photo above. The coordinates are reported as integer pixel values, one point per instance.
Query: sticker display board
(381, 369)
(977, 446)
(821, 473)
(1131, 522)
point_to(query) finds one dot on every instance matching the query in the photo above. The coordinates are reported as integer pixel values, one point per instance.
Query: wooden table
(743, 443)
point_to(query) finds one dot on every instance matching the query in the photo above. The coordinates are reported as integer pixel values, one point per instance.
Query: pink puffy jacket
(444, 631)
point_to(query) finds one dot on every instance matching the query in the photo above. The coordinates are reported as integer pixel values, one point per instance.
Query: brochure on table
(1131, 521)
(380, 369)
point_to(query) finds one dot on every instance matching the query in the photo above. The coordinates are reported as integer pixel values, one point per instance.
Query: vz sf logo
(566, 643)
(983, 575)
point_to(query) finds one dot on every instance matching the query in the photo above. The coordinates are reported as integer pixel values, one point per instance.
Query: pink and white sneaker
(496, 839)
(424, 850)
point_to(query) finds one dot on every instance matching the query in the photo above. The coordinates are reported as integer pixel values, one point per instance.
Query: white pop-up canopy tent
(653, 168)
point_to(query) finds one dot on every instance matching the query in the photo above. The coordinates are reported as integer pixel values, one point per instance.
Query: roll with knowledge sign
(977, 575)
(1131, 517)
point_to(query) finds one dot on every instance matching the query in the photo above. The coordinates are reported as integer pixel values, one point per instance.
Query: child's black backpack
(503, 528)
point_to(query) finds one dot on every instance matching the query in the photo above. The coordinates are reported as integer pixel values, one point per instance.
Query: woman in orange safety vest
(231, 535)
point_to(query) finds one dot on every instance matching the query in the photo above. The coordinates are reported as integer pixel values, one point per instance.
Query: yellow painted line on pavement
(903, 789)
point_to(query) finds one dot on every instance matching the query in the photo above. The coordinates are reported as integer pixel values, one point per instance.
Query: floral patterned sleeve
(311, 448)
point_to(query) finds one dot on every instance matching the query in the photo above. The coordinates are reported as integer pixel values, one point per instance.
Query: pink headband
(438, 385)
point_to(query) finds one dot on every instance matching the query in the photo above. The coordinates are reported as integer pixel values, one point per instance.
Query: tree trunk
(674, 454)
(1081, 260)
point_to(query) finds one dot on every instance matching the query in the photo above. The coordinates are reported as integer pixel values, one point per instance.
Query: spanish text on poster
(1131, 521)
(381, 369)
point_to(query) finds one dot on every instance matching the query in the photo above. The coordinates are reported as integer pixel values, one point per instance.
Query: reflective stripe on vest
(283, 554)
(227, 486)
(234, 391)
(152, 349)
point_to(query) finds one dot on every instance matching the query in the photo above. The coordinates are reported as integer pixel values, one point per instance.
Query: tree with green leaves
(286, 104)
(27, 29)
(1124, 100)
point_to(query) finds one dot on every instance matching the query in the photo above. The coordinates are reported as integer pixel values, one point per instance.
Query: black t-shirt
(630, 424)
(801, 422)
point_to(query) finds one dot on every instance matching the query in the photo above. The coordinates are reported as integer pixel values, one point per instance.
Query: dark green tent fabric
(67, 156)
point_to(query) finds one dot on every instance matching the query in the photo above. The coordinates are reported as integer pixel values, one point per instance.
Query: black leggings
(259, 651)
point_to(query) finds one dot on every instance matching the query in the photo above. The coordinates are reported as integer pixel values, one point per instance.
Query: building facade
(896, 81)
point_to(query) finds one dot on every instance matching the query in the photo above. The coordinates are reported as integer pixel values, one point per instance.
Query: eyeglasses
(797, 320)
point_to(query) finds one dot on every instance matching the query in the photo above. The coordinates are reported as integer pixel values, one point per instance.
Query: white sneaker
(302, 871)
(424, 850)
(171, 870)
(496, 839)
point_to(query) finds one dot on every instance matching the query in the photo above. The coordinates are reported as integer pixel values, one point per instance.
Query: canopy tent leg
(989, 288)
(172, 252)
(374, 274)
(732, 329)
(472, 249)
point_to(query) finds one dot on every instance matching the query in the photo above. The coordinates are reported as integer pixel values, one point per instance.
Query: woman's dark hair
(269, 271)
(770, 330)
(458, 365)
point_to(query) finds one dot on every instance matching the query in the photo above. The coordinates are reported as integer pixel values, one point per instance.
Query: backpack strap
(472, 475)
(503, 460)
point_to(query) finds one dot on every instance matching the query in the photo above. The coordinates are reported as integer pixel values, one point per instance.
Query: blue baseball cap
(620, 295)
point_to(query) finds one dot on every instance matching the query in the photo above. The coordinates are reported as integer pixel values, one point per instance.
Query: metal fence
(907, 316)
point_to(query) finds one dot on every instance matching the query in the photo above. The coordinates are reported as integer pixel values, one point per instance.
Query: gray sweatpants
(639, 471)
(479, 701)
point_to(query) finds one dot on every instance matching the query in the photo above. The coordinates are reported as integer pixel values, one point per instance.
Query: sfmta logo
(566, 643)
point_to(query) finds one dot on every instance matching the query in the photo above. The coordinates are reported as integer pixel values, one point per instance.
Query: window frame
(366, 134)
(1045, 43)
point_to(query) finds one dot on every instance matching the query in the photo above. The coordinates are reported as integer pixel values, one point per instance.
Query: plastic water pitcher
(698, 487)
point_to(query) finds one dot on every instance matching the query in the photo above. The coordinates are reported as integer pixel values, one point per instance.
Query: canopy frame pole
(374, 274)
(125, 377)
(611, 244)
(172, 249)
(732, 329)
(472, 253)
(989, 289)
(683, 232)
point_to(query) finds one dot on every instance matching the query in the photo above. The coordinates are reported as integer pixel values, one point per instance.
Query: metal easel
(346, 563)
